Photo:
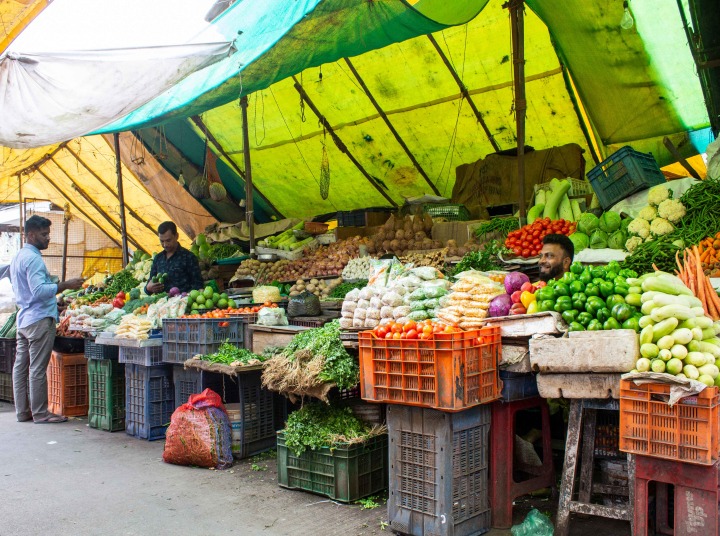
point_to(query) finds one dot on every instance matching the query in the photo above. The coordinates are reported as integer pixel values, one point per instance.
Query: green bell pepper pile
(592, 299)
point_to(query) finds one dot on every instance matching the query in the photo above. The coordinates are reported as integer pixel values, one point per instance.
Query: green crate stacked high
(448, 212)
(107, 395)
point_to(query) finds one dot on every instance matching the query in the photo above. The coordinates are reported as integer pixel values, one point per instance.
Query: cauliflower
(649, 213)
(639, 227)
(658, 194)
(660, 226)
(672, 210)
(632, 243)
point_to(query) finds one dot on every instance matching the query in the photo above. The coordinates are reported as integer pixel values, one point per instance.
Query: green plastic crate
(107, 395)
(448, 211)
(344, 474)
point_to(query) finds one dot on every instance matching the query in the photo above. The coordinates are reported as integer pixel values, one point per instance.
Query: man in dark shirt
(180, 265)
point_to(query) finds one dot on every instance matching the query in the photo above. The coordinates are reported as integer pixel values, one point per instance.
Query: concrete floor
(69, 479)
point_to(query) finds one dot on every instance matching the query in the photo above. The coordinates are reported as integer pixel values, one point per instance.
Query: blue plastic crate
(147, 356)
(193, 381)
(518, 385)
(149, 400)
(622, 174)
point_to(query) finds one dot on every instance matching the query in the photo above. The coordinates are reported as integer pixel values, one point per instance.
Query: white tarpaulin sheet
(47, 98)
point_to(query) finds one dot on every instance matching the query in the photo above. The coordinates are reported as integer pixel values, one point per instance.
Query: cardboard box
(454, 230)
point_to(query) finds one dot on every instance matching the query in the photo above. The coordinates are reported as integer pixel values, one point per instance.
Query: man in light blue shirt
(35, 295)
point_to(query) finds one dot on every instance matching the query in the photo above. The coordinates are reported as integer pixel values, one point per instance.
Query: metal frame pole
(517, 25)
(249, 212)
(121, 199)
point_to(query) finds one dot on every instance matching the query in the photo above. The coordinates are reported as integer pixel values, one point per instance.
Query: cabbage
(580, 241)
(617, 239)
(500, 305)
(588, 223)
(609, 221)
(598, 240)
(515, 280)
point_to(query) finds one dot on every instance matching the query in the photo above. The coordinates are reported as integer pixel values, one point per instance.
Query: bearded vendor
(556, 256)
(174, 266)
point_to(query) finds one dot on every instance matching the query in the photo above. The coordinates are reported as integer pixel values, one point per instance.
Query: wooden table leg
(589, 419)
(569, 467)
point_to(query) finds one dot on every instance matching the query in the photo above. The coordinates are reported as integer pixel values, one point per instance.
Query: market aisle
(69, 479)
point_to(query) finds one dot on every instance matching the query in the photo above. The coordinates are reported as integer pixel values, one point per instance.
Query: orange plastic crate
(451, 372)
(68, 384)
(687, 431)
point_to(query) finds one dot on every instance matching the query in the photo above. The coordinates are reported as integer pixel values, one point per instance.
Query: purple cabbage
(515, 280)
(500, 305)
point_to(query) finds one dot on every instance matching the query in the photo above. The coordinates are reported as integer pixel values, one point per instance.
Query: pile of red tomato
(423, 330)
(527, 241)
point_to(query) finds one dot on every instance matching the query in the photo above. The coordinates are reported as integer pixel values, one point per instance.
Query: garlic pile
(358, 268)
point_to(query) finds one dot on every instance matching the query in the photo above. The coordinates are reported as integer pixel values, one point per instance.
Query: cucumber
(645, 321)
(679, 351)
(697, 334)
(682, 335)
(701, 346)
(696, 359)
(666, 299)
(646, 335)
(689, 323)
(647, 307)
(666, 327)
(651, 350)
(703, 322)
(669, 284)
(666, 342)
(678, 312)
(665, 355)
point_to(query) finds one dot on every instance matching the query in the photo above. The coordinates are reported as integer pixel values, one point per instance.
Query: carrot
(705, 255)
(715, 300)
(700, 276)
(712, 308)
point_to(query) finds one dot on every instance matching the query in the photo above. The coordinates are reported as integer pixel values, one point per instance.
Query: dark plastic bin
(6, 387)
(69, 345)
(7, 354)
(101, 351)
(448, 211)
(345, 473)
(107, 394)
(353, 218)
(149, 400)
(438, 471)
(622, 174)
(262, 414)
(193, 381)
(607, 435)
(518, 385)
(148, 356)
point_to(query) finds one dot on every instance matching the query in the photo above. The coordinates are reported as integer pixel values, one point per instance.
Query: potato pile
(319, 262)
(320, 287)
(400, 234)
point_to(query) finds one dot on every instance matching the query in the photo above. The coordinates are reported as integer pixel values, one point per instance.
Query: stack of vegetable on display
(519, 298)
(395, 293)
(677, 336)
(593, 299)
(656, 219)
(607, 231)
(527, 241)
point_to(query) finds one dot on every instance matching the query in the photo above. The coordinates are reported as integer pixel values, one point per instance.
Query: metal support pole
(121, 198)
(517, 25)
(66, 225)
(22, 211)
(249, 214)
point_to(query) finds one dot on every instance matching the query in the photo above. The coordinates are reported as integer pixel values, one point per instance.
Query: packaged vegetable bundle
(199, 433)
(468, 303)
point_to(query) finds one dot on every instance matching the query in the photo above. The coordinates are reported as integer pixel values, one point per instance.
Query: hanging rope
(302, 102)
(324, 169)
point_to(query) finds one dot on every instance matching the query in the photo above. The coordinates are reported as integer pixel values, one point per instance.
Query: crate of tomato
(430, 365)
(527, 241)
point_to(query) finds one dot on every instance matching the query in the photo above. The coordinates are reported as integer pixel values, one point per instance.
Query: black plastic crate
(6, 387)
(518, 385)
(352, 218)
(438, 471)
(7, 354)
(69, 345)
(100, 351)
(607, 435)
(622, 174)
(149, 400)
(193, 381)
(261, 413)
(106, 387)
